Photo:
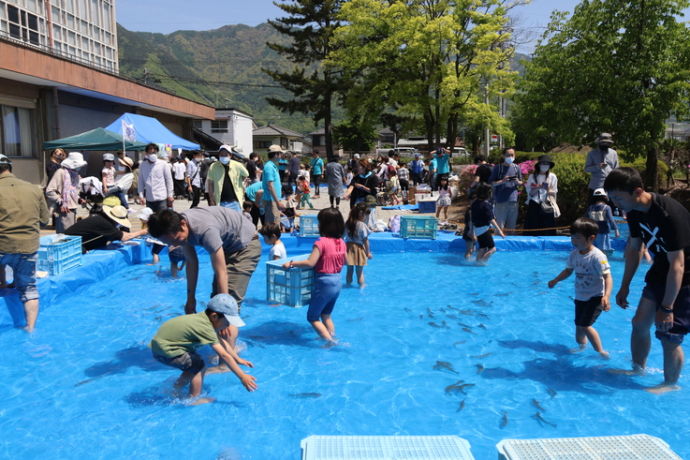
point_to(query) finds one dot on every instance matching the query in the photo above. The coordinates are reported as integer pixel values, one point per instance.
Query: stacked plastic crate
(59, 253)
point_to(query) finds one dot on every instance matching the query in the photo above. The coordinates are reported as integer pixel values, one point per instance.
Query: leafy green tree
(355, 135)
(310, 25)
(429, 62)
(615, 66)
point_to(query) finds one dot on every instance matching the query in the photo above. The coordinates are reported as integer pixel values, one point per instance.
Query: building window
(23, 25)
(263, 144)
(17, 131)
(219, 126)
(316, 140)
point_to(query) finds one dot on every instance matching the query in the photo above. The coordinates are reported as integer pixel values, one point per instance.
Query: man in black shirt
(103, 227)
(663, 225)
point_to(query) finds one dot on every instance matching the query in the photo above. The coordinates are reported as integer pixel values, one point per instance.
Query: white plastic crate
(633, 447)
(309, 225)
(288, 286)
(385, 448)
(421, 227)
(59, 253)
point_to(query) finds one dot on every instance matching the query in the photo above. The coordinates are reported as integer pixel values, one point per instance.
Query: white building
(231, 127)
(84, 31)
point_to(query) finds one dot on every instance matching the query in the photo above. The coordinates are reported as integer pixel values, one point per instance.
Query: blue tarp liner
(151, 130)
(98, 265)
(409, 207)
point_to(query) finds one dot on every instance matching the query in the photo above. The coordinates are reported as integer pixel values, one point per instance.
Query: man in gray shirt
(229, 238)
(600, 162)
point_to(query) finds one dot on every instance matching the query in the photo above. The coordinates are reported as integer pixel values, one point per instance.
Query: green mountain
(220, 67)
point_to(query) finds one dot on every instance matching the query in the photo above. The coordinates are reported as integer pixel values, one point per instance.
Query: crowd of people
(247, 197)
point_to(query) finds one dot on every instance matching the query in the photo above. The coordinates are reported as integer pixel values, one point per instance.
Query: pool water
(84, 385)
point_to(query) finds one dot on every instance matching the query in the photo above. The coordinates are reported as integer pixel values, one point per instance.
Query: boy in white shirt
(593, 283)
(271, 234)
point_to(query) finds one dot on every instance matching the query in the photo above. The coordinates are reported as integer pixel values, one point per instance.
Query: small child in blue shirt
(600, 212)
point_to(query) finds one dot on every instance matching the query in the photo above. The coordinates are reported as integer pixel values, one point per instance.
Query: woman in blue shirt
(316, 172)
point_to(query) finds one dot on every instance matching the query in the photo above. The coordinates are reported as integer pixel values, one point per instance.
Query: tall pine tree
(310, 26)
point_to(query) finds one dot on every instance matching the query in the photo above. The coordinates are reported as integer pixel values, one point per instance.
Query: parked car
(460, 152)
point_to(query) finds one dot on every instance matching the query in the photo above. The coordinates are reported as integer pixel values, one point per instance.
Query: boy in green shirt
(177, 339)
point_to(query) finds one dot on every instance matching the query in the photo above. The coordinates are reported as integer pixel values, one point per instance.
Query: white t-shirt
(178, 170)
(589, 271)
(277, 251)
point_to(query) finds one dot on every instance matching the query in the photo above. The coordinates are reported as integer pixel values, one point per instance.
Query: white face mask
(544, 168)
(152, 157)
(224, 160)
(509, 160)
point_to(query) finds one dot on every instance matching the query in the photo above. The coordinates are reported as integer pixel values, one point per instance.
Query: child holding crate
(357, 240)
(327, 258)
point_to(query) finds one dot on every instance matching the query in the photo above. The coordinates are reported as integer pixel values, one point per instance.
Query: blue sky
(167, 16)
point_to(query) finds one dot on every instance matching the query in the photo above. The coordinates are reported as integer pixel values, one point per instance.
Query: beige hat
(604, 138)
(126, 161)
(275, 148)
(117, 214)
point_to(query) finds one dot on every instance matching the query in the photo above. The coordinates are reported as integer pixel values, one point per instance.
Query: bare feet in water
(662, 388)
(200, 401)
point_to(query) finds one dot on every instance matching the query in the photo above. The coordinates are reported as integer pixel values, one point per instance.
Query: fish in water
(502, 294)
(551, 392)
(504, 420)
(458, 387)
(465, 325)
(542, 421)
(305, 395)
(461, 406)
(444, 366)
(481, 302)
(451, 316)
(485, 355)
(467, 312)
(467, 329)
(459, 342)
(407, 309)
(480, 368)
(538, 405)
(433, 324)
(483, 315)
(429, 312)
(83, 382)
(482, 326)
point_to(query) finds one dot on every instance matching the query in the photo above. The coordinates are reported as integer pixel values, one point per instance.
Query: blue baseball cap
(226, 305)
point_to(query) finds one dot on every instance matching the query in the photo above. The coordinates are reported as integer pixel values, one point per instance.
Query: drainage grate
(634, 447)
(385, 448)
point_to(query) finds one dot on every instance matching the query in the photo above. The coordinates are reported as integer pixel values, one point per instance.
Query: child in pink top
(327, 257)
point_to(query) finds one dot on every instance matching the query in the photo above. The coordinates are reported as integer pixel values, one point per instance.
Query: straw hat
(126, 161)
(117, 214)
(275, 148)
(74, 160)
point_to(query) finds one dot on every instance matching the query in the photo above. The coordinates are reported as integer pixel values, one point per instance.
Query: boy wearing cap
(177, 339)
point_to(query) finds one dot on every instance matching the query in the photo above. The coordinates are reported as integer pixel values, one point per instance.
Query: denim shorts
(24, 269)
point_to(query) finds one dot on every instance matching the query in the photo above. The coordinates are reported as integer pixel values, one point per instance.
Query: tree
(429, 62)
(310, 25)
(615, 66)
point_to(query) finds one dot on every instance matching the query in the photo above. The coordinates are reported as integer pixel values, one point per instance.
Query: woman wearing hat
(542, 188)
(600, 162)
(63, 191)
(104, 225)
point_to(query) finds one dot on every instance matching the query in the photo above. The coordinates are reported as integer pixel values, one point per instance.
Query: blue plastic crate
(288, 286)
(421, 227)
(309, 225)
(59, 253)
(426, 206)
